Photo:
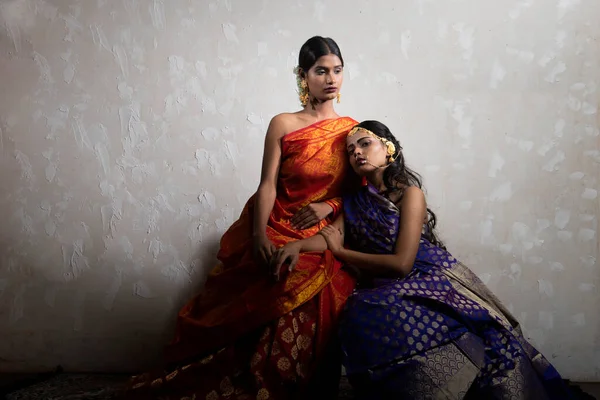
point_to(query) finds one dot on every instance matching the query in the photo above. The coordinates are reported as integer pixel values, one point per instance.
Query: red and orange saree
(245, 336)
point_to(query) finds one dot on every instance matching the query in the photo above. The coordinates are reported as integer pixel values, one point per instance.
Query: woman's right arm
(267, 189)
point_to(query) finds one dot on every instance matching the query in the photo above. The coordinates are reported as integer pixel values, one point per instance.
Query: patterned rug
(105, 387)
(95, 387)
(72, 387)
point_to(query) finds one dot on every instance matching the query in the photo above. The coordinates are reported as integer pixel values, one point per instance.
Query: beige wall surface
(131, 135)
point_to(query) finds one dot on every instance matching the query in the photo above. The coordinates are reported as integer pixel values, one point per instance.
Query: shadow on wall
(78, 330)
(203, 261)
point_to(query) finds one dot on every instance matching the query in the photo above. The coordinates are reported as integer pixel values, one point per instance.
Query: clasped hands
(289, 254)
(266, 253)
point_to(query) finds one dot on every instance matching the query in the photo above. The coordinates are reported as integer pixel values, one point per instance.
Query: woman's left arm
(413, 212)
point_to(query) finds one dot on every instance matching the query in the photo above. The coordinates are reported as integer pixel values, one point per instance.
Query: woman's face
(325, 78)
(366, 153)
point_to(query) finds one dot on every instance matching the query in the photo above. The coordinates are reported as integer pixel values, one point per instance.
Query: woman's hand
(310, 215)
(288, 254)
(334, 238)
(263, 249)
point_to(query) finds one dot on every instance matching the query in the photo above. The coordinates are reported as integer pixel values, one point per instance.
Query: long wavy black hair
(398, 176)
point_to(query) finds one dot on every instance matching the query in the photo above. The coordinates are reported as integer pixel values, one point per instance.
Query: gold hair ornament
(302, 87)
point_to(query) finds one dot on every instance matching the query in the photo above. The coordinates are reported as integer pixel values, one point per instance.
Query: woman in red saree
(247, 335)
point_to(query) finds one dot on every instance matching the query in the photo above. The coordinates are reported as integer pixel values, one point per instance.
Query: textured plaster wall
(131, 135)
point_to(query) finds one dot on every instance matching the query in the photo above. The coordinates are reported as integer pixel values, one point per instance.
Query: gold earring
(339, 95)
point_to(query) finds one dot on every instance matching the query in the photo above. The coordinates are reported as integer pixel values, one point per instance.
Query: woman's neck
(375, 178)
(321, 110)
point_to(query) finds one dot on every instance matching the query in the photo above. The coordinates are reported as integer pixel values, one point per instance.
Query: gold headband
(391, 148)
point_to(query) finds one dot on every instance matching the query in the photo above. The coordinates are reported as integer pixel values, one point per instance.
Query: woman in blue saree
(420, 325)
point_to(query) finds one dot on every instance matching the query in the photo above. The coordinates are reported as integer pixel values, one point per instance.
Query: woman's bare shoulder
(289, 122)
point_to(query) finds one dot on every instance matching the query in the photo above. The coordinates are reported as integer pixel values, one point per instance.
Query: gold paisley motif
(287, 335)
(263, 394)
(284, 364)
(212, 395)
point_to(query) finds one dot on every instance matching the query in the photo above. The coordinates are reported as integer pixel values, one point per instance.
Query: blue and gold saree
(438, 333)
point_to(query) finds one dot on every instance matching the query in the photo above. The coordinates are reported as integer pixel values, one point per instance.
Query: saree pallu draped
(438, 333)
(245, 336)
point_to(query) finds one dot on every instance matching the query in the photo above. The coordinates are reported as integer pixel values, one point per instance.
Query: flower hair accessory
(302, 86)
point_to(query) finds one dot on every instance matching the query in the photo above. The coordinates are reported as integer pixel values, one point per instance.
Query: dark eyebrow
(323, 67)
(358, 141)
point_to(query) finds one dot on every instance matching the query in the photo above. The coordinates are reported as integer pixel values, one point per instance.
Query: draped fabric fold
(243, 334)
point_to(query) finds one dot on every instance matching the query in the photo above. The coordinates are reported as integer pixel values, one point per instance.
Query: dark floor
(63, 386)
(593, 389)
